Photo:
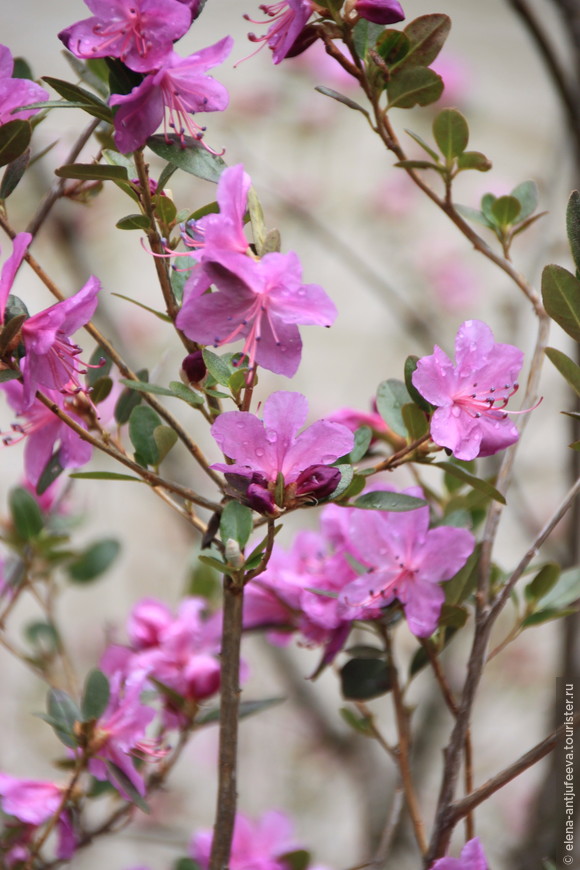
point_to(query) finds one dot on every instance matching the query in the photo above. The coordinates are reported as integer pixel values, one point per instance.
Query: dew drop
(259, 452)
(456, 411)
(271, 436)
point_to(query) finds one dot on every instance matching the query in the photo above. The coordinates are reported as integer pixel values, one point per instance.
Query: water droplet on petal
(455, 411)
(271, 436)
(259, 452)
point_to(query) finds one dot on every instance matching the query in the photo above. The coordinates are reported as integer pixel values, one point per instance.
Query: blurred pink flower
(472, 858)
(15, 92)
(258, 845)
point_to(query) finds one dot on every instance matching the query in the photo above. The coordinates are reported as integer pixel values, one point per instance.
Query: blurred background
(402, 278)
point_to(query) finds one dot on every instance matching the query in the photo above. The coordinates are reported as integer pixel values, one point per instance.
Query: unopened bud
(318, 480)
(193, 368)
(233, 553)
(380, 11)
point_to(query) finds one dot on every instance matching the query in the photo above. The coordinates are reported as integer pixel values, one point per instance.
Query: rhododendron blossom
(51, 358)
(406, 561)
(141, 33)
(265, 449)
(181, 87)
(472, 858)
(287, 19)
(34, 802)
(16, 92)
(471, 394)
(261, 301)
(43, 431)
(10, 268)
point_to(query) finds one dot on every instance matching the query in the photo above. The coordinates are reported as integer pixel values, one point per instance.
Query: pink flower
(471, 394)
(139, 32)
(43, 430)
(406, 561)
(380, 11)
(258, 845)
(182, 87)
(287, 21)
(12, 265)
(260, 301)
(35, 802)
(51, 357)
(265, 449)
(472, 858)
(15, 93)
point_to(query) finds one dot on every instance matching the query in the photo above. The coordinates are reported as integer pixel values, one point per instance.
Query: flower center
(488, 402)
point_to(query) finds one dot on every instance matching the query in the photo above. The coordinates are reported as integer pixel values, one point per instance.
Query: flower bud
(317, 480)
(380, 11)
(193, 368)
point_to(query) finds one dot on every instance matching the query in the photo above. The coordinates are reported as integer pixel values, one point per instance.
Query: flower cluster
(179, 653)
(30, 803)
(141, 33)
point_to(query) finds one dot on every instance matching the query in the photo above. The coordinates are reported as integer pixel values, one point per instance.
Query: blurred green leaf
(51, 471)
(120, 779)
(417, 86)
(451, 133)
(423, 144)
(561, 295)
(565, 592)
(104, 475)
(193, 158)
(483, 486)
(8, 375)
(299, 859)
(573, 226)
(391, 396)
(527, 195)
(567, 367)
(506, 210)
(142, 424)
(247, 708)
(340, 98)
(543, 582)
(415, 421)
(26, 514)
(392, 46)
(365, 35)
(165, 438)
(363, 679)
(92, 172)
(43, 636)
(474, 160)
(145, 387)
(13, 174)
(96, 695)
(94, 561)
(458, 588)
(14, 140)
(361, 724)
(63, 714)
(379, 500)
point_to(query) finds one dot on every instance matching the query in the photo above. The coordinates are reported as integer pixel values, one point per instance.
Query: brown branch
(461, 808)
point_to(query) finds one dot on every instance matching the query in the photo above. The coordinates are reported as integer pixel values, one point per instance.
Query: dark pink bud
(317, 480)
(194, 367)
(380, 11)
(260, 500)
(252, 491)
(304, 40)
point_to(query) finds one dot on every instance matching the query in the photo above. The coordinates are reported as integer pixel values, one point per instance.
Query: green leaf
(104, 475)
(236, 523)
(247, 708)
(168, 170)
(344, 485)
(159, 314)
(487, 201)
(362, 439)
(451, 133)
(392, 46)
(418, 164)
(415, 421)
(483, 486)
(460, 586)
(423, 145)
(427, 35)
(43, 636)
(474, 160)
(186, 864)
(64, 714)
(299, 859)
(543, 582)
(128, 400)
(541, 616)
(94, 561)
(142, 424)
(388, 501)
(8, 375)
(417, 86)
(75, 94)
(165, 438)
(391, 396)
(165, 208)
(363, 679)
(472, 214)
(121, 781)
(222, 567)
(217, 367)
(527, 195)
(13, 174)
(134, 222)
(506, 210)
(414, 394)
(567, 367)
(573, 226)
(92, 172)
(101, 390)
(193, 158)
(51, 471)
(10, 331)
(361, 724)
(565, 592)
(95, 695)
(145, 387)
(26, 514)
(340, 98)
(365, 35)
(14, 140)
(561, 295)
(181, 391)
